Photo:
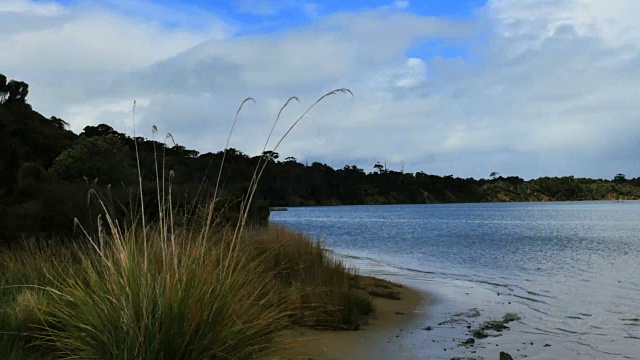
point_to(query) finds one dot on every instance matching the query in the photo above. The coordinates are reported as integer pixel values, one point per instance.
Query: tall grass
(157, 291)
(322, 287)
(188, 308)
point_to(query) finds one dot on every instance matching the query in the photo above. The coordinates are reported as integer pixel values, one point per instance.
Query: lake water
(570, 270)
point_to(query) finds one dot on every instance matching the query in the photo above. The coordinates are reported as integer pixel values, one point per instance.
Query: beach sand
(378, 339)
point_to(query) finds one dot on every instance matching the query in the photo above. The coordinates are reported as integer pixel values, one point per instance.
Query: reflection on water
(571, 269)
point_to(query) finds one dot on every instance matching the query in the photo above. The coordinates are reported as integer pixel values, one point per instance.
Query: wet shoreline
(479, 320)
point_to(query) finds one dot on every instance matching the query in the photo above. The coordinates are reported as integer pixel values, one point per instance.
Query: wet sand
(380, 338)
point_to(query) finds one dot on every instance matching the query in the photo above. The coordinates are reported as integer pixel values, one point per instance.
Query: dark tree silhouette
(4, 92)
(271, 155)
(100, 130)
(59, 122)
(620, 178)
(16, 92)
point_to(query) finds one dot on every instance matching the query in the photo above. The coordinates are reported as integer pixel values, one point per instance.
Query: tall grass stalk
(256, 178)
(135, 139)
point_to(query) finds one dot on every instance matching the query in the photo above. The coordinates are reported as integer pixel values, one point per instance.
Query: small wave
(547, 331)
(572, 332)
(529, 299)
(602, 352)
(634, 320)
(417, 271)
(540, 295)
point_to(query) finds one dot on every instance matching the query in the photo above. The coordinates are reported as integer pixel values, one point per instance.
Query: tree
(494, 175)
(59, 122)
(270, 155)
(103, 158)
(13, 92)
(620, 178)
(17, 92)
(379, 167)
(3, 88)
(184, 152)
(353, 169)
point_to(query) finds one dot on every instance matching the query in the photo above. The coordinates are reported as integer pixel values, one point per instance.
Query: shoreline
(457, 203)
(379, 338)
(436, 318)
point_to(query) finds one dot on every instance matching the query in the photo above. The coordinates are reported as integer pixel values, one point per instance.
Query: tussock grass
(191, 301)
(186, 302)
(144, 291)
(324, 289)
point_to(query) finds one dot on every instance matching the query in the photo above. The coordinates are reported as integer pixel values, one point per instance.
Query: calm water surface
(571, 270)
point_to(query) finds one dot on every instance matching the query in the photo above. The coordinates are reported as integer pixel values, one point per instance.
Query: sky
(526, 88)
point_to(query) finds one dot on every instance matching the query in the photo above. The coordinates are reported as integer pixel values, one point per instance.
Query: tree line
(47, 170)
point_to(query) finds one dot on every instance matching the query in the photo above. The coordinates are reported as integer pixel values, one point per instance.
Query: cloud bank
(535, 87)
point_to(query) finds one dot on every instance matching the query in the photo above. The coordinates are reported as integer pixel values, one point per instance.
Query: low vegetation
(183, 296)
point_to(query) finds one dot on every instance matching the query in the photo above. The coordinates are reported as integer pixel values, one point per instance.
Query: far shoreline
(455, 203)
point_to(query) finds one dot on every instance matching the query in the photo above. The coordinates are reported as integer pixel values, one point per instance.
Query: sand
(378, 339)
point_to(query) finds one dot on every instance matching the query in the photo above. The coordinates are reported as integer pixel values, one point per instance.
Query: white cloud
(549, 89)
(401, 4)
(27, 7)
(612, 21)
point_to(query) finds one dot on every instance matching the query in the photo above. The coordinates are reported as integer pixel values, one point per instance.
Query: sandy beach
(380, 338)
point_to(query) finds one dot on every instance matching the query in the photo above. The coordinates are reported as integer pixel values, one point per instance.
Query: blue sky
(273, 16)
(523, 87)
(291, 11)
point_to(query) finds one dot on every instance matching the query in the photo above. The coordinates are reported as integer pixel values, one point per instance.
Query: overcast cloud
(536, 87)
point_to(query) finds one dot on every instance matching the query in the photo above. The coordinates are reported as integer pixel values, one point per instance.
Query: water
(570, 270)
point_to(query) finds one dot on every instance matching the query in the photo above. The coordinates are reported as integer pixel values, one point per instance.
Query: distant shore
(288, 207)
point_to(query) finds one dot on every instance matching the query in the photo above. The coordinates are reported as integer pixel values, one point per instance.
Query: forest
(46, 172)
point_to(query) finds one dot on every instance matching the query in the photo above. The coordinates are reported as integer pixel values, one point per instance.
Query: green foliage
(25, 136)
(105, 159)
